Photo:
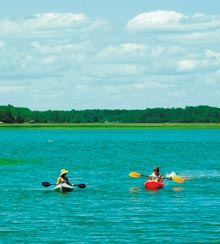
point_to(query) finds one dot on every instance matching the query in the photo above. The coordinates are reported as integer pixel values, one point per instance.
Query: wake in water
(199, 175)
(172, 174)
(175, 177)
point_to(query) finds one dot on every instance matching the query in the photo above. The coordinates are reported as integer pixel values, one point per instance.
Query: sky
(95, 54)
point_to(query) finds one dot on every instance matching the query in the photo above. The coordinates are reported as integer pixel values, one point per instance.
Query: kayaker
(63, 178)
(156, 176)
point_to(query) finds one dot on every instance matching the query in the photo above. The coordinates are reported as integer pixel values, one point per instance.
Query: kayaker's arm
(59, 180)
(70, 184)
(67, 182)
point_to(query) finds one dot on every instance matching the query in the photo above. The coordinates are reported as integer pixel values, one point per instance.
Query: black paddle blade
(81, 185)
(46, 184)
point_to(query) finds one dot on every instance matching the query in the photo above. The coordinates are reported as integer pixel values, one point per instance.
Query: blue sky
(88, 54)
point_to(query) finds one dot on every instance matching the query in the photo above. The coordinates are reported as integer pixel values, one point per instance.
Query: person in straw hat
(63, 178)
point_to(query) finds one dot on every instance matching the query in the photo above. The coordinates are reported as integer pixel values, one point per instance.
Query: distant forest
(189, 114)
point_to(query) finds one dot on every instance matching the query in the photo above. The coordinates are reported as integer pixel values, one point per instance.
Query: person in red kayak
(156, 176)
(63, 178)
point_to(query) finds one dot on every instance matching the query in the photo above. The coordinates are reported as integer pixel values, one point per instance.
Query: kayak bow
(63, 187)
(153, 185)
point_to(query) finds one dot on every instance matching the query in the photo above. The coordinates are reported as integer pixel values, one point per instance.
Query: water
(113, 208)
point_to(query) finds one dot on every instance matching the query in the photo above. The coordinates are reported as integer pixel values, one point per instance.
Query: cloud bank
(71, 61)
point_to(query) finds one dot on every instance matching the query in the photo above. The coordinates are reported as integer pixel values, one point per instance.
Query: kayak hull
(153, 185)
(63, 187)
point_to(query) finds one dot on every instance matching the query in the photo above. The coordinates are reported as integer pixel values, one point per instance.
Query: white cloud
(123, 51)
(47, 24)
(186, 65)
(213, 54)
(157, 20)
(66, 60)
(57, 20)
(110, 71)
(172, 21)
(10, 89)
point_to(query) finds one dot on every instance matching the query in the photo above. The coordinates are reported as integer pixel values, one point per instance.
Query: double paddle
(46, 184)
(177, 179)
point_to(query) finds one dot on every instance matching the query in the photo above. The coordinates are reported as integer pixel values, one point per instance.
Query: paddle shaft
(165, 178)
(46, 184)
(174, 178)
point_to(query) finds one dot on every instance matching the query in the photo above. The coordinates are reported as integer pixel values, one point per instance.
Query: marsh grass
(112, 126)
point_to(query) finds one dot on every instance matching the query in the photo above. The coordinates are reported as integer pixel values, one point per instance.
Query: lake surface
(113, 208)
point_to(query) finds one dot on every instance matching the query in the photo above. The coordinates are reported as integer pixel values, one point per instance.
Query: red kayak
(153, 185)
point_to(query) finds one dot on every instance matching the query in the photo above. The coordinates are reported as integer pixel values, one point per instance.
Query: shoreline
(111, 126)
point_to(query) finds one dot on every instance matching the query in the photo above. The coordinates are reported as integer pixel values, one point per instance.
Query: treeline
(189, 114)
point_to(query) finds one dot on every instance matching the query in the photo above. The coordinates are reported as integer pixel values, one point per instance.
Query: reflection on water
(178, 188)
(134, 189)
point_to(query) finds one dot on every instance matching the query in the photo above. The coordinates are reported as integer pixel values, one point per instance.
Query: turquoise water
(113, 208)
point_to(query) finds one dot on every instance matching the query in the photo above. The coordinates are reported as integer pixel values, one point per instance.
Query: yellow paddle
(136, 175)
(177, 179)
